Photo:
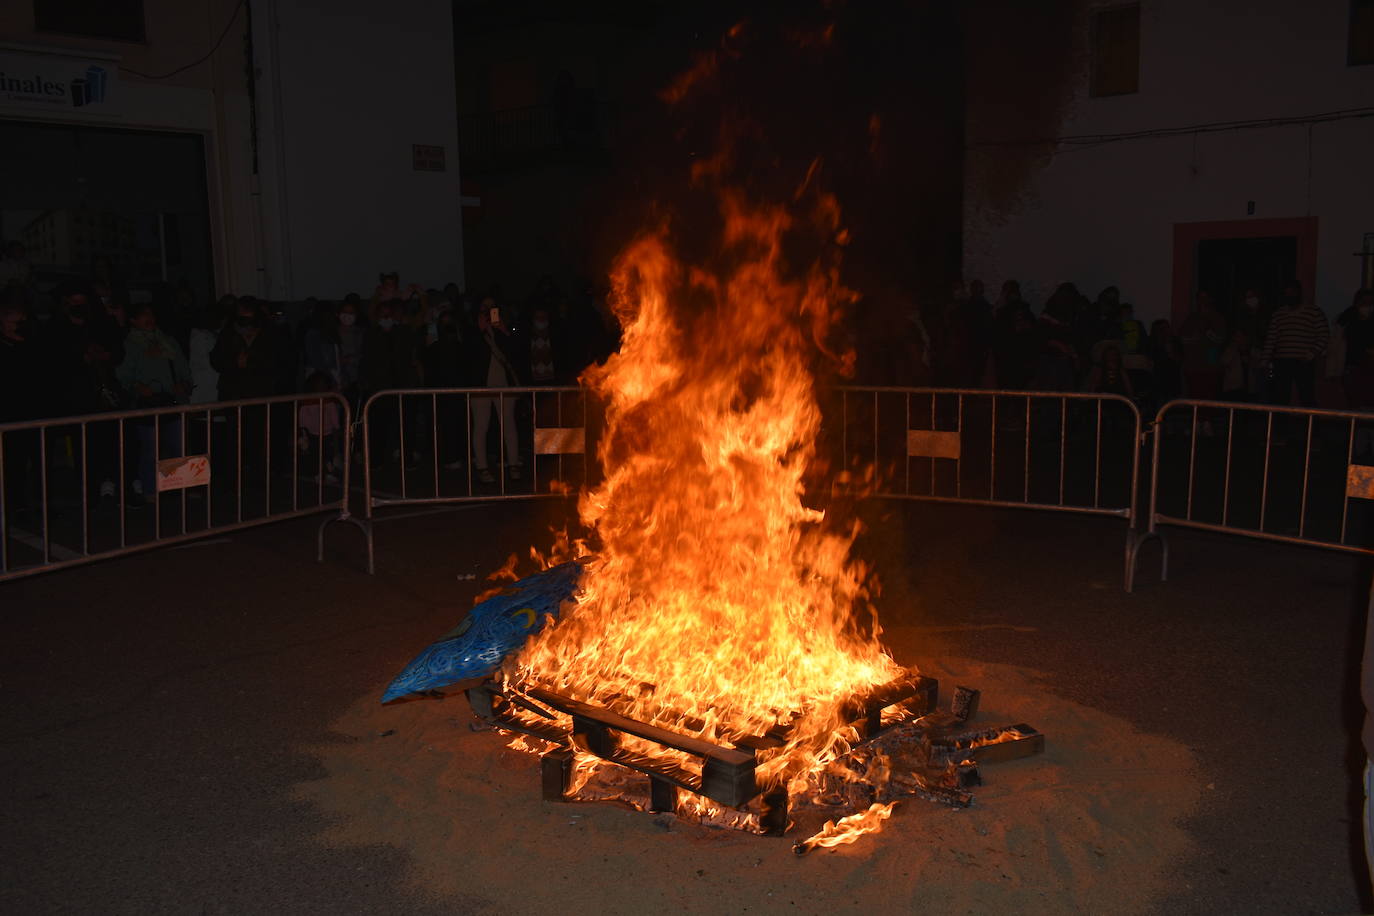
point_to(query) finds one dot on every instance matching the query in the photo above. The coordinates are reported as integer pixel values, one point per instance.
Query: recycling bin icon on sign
(90, 88)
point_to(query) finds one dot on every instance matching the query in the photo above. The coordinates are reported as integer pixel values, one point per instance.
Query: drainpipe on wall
(270, 185)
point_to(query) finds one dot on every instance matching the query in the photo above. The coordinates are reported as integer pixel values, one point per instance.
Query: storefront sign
(57, 84)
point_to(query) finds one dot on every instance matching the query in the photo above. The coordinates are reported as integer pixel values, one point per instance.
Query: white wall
(1105, 215)
(345, 88)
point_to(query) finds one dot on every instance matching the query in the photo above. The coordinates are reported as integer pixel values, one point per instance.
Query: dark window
(1116, 50)
(121, 20)
(1361, 49)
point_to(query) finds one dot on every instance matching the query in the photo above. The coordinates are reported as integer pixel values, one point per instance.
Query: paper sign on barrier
(560, 440)
(930, 443)
(180, 473)
(1359, 481)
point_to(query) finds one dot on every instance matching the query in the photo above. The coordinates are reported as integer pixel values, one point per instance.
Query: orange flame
(847, 829)
(719, 604)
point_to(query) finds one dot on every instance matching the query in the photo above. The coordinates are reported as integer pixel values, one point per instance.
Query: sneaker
(514, 472)
(485, 476)
(107, 489)
(138, 488)
(453, 466)
(330, 477)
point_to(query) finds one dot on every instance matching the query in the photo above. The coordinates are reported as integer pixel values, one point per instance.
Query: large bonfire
(717, 602)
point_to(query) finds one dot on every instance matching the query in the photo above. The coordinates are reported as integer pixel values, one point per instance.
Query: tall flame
(718, 603)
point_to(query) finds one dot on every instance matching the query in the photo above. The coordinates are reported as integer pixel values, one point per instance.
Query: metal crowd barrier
(1295, 475)
(74, 490)
(1054, 450)
(420, 447)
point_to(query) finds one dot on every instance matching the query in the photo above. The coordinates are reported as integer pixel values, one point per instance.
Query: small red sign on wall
(427, 158)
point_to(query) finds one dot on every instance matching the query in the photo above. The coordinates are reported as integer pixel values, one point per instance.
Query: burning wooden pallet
(897, 720)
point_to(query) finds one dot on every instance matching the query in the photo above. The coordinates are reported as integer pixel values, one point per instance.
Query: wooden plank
(593, 736)
(918, 693)
(729, 784)
(662, 795)
(658, 769)
(773, 815)
(551, 733)
(1027, 744)
(555, 770)
(1012, 743)
(694, 746)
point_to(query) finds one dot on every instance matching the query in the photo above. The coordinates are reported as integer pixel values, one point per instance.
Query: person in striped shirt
(1297, 338)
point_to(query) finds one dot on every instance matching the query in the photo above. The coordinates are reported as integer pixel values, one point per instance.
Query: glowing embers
(897, 747)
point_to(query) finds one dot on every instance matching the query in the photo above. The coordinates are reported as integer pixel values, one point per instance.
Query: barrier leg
(362, 525)
(1134, 542)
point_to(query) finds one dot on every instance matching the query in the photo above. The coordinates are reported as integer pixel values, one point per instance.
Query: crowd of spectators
(1261, 352)
(96, 351)
(86, 347)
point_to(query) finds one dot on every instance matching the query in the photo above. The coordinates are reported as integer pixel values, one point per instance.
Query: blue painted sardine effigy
(491, 630)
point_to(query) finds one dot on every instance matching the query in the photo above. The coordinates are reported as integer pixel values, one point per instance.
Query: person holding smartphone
(494, 354)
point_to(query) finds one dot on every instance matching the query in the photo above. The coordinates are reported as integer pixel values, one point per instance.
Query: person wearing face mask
(391, 359)
(1356, 327)
(244, 355)
(1298, 336)
(155, 372)
(350, 346)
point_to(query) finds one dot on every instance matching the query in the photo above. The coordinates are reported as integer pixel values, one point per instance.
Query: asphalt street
(161, 707)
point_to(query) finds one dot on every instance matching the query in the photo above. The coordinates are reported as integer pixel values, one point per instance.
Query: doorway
(1226, 257)
(1226, 268)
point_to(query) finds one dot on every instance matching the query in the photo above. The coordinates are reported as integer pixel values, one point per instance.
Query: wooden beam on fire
(912, 691)
(727, 774)
(490, 705)
(613, 720)
(991, 745)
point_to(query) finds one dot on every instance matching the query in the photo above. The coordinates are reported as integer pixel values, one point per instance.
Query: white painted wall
(345, 88)
(1105, 215)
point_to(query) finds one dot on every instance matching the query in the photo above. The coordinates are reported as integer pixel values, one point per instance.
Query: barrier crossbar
(433, 446)
(1288, 474)
(1050, 450)
(79, 489)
